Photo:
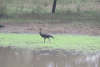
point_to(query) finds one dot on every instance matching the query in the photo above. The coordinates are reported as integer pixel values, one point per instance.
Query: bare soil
(54, 28)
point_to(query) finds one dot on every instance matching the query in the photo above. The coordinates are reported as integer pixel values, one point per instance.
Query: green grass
(40, 11)
(20, 6)
(67, 42)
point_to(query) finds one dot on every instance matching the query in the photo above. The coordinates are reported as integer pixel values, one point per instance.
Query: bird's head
(40, 29)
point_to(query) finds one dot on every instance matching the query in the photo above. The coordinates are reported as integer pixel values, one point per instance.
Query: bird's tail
(52, 37)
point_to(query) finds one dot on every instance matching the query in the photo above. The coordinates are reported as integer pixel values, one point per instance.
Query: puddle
(20, 57)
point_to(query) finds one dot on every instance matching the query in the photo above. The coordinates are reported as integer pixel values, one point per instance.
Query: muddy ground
(54, 28)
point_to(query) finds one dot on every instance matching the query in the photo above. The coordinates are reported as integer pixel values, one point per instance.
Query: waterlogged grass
(66, 42)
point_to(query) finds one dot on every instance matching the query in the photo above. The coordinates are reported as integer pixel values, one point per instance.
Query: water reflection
(20, 57)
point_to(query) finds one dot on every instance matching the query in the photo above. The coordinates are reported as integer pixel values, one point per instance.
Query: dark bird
(45, 35)
(1, 26)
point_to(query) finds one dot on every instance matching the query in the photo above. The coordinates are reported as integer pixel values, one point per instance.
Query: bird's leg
(49, 39)
(44, 40)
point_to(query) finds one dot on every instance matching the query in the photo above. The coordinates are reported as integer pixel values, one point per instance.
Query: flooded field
(22, 57)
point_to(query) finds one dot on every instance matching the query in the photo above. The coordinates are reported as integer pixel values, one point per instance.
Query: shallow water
(22, 57)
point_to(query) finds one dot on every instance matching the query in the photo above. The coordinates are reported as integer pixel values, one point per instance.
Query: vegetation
(72, 10)
(67, 42)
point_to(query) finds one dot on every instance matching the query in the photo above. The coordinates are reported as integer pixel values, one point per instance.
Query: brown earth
(54, 28)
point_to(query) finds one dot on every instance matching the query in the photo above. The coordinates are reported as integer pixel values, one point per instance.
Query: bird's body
(45, 35)
(1, 26)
